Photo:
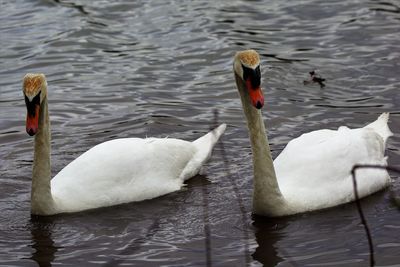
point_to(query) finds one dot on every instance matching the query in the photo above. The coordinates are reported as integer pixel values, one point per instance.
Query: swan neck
(41, 199)
(267, 197)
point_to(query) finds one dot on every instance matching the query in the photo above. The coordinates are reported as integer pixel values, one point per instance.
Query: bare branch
(358, 203)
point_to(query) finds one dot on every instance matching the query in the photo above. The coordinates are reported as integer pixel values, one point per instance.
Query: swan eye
(30, 105)
(253, 74)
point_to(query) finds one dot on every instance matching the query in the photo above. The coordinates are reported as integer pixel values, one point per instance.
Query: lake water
(162, 68)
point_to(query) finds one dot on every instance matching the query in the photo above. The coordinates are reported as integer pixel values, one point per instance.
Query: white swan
(313, 171)
(111, 173)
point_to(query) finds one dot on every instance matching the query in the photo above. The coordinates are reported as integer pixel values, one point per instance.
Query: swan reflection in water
(44, 248)
(268, 232)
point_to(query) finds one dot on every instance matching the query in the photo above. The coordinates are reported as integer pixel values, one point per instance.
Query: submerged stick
(358, 203)
(235, 188)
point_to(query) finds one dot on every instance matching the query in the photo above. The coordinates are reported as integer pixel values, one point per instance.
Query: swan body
(314, 170)
(126, 170)
(111, 173)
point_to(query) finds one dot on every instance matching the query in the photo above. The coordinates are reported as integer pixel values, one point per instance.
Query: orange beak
(256, 95)
(32, 121)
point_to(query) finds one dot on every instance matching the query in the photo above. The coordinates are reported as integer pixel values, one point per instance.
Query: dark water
(161, 68)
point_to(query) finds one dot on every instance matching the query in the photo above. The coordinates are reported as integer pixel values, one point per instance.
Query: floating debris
(315, 78)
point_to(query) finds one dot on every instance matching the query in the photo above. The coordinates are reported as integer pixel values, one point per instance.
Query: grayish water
(161, 68)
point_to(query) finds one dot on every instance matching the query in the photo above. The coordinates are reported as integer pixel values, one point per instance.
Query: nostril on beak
(31, 132)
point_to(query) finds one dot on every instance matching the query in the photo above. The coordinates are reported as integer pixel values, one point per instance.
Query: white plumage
(127, 170)
(313, 170)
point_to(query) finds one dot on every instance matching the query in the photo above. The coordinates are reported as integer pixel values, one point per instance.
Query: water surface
(161, 68)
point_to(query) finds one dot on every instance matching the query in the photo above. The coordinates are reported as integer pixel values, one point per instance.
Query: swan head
(247, 68)
(34, 87)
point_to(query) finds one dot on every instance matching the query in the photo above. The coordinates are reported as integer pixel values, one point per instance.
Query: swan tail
(381, 126)
(207, 142)
(204, 146)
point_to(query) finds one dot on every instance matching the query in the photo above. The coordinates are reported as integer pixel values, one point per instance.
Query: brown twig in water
(207, 230)
(358, 203)
(237, 194)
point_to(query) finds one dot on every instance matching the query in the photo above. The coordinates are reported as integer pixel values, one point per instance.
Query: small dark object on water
(315, 79)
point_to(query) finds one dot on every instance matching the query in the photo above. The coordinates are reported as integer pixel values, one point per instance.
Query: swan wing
(121, 171)
(314, 170)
